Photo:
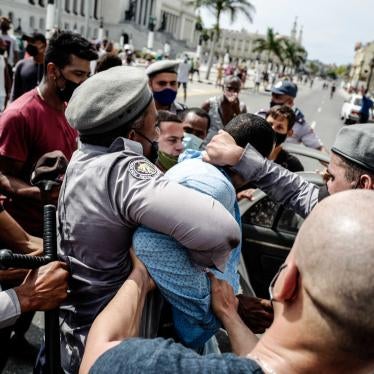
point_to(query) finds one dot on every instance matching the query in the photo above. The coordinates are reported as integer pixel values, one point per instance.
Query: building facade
(127, 21)
(362, 67)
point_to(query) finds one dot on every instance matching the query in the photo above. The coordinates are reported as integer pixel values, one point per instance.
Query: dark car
(269, 229)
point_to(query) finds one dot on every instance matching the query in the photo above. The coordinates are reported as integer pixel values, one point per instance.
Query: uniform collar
(118, 145)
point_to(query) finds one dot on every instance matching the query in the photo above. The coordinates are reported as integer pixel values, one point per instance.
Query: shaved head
(334, 252)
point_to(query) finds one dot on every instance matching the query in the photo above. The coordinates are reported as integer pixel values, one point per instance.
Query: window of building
(32, 2)
(66, 26)
(41, 24)
(82, 7)
(95, 33)
(32, 22)
(1, 12)
(75, 6)
(67, 6)
(82, 30)
(10, 16)
(41, 3)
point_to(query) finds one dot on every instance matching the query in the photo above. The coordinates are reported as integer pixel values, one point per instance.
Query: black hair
(166, 116)
(249, 128)
(198, 111)
(107, 61)
(64, 44)
(283, 111)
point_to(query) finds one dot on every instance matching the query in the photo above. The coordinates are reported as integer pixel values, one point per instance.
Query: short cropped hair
(353, 171)
(166, 116)
(283, 112)
(250, 128)
(198, 111)
(107, 61)
(64, 44)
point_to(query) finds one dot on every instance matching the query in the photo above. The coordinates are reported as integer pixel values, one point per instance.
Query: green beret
(164, 66)
(356, 143)
(108, 100)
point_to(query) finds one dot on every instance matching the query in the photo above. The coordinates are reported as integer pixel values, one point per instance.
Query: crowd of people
(149, 227)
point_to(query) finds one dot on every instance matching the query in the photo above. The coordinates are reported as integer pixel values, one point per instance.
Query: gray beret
(109, 99)
(165, 66)
(356, 143)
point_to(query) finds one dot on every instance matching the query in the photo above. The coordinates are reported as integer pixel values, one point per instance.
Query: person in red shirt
(35, 124)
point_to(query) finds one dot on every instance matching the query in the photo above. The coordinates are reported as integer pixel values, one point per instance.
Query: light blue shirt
(183, 282)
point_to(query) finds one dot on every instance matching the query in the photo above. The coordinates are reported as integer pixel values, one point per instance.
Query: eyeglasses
(272, 283)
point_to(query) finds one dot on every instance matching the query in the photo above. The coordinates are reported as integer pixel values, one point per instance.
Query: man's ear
(131, 135)
(366, 182)
(52, 71)
(286, 285)
(290, 132)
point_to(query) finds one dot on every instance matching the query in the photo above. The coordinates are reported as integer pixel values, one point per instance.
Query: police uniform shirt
(106, 193)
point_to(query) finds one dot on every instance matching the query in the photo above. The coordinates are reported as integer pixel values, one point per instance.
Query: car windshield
(358, 102)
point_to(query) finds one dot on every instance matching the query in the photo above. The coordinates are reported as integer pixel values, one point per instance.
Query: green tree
(294, 54)
(272, 43)
(219, 7)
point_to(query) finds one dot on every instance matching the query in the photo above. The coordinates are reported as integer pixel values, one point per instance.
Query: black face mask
(323, 192)
(66, 93)
(32, 50)
(280, 138)
(273, 103)
(154, 148)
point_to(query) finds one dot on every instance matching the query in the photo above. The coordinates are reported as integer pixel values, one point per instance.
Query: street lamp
(371, 65)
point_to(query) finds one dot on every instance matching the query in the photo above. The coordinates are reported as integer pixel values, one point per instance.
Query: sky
(331, 28)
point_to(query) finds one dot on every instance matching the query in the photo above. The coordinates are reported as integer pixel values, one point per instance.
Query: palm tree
(218, 7)
(272, 44)
(294, 54)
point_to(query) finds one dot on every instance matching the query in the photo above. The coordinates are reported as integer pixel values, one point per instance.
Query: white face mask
(191, 141)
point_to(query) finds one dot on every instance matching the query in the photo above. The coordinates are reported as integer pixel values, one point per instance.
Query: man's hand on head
(256, 313)
(223, 150)
(44, 288)
(224, 302)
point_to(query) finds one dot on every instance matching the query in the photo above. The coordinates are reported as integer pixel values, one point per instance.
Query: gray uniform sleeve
(10, 308)
(306, 135)
(280, 184)
(196, 220)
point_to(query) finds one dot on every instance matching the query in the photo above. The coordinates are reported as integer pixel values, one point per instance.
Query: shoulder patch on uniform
(143, 169)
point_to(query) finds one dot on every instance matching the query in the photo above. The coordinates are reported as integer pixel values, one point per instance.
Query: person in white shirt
(183, 71)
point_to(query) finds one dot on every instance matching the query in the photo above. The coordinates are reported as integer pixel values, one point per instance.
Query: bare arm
(225, 304)
(11, 185)
(16, 238)
(121, 317)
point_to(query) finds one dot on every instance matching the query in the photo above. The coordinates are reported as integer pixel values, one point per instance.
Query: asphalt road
(320, 111)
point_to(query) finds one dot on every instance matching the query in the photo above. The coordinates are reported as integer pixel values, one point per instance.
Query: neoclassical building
(126, 20)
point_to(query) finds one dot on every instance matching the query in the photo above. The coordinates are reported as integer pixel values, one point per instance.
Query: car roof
(299, 149)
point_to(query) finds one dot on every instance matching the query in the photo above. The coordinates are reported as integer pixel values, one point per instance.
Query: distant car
(350, 112)
(269, 229)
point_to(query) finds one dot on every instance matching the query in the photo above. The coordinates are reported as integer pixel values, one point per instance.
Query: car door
(268, 233)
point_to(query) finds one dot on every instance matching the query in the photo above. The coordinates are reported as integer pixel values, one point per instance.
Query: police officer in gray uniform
(351, 166)
(284, 93)
(163, 81)
(110, 188)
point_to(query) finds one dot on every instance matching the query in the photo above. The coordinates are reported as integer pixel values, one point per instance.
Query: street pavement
(320, 111)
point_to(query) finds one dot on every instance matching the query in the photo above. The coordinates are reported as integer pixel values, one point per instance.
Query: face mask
(66, 93)
(273, 103)
(165, 97)
(280, 138)
(323, 192)
(154, 148)
(32, 50)
(191, 141)
(167, 161)
(231, 96)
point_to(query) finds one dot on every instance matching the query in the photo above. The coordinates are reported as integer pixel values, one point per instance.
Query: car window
(289, 221)
(262, 213)
(358, 102)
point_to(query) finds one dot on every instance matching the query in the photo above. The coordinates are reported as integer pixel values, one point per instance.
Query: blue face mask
(191, 141)
(165, 97)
